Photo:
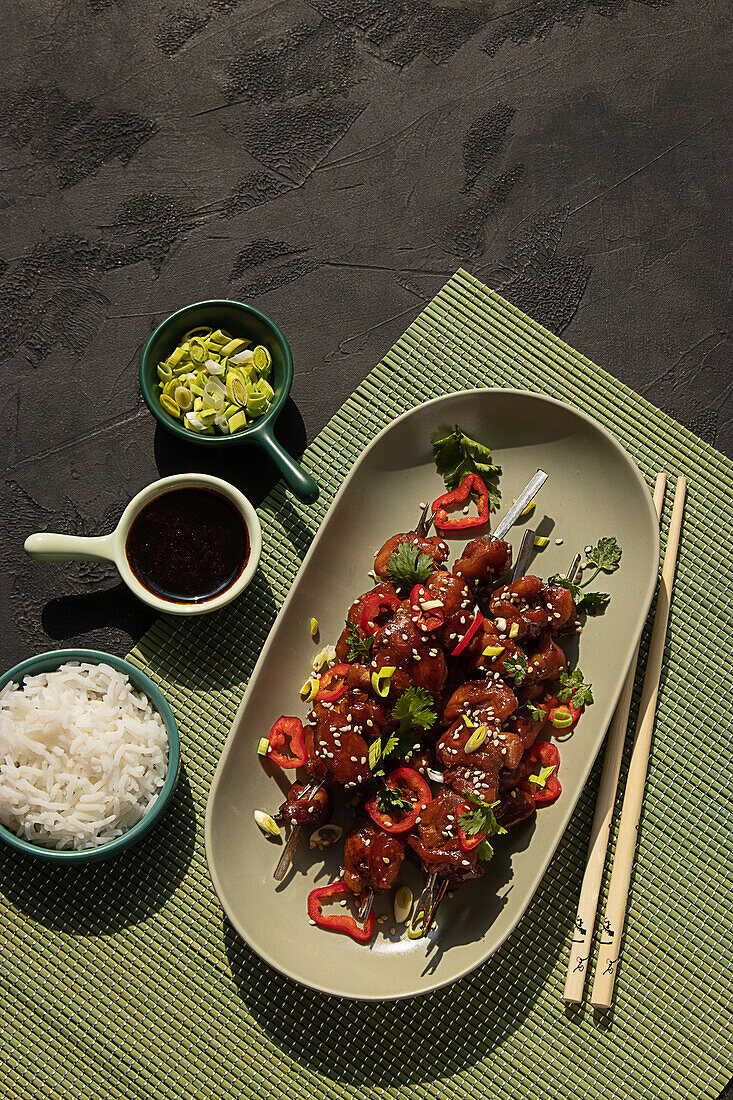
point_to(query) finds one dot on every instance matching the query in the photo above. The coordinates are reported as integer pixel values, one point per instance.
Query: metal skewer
(286, 858)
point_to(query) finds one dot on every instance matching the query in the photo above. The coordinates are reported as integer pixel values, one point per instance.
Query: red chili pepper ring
(338, 922)
(472, 483)
(288, 732)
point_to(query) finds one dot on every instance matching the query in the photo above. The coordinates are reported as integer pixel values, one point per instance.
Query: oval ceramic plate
(594, 489)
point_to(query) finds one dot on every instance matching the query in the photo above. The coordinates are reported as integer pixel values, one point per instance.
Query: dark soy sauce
(188, 545)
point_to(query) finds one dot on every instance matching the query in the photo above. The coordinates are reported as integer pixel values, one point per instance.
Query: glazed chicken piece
(483, 560)
(478, 772)
(336, 751)
(560, 607)
(524, 727)
(492, 694)
(305, 805)
(354, 616)
(434, 547)
(364, 713)
(419, 760)
(547, 660)
(519, 604)
(514, 807)
(372, 858)
(458, 607)
(418, 662)
(533, 606)
(437, 845)
(486, 636)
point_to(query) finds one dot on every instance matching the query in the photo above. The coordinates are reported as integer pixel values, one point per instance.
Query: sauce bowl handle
(47, 546)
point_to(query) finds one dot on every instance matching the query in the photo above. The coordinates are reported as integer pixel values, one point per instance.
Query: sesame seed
(558, 542)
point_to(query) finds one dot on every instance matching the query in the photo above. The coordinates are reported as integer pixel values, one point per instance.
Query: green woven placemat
(124, 980)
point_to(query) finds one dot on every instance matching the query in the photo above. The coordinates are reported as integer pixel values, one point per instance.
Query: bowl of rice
(89, 756)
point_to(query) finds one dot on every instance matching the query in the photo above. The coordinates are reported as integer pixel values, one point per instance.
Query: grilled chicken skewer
(438, 885)
(429, 896)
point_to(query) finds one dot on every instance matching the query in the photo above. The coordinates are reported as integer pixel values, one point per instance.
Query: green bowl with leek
(245, 322)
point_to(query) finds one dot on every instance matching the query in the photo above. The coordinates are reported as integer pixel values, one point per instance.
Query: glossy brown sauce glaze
(188, 545)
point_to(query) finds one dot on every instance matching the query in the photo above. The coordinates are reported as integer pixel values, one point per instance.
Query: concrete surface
(334, 163)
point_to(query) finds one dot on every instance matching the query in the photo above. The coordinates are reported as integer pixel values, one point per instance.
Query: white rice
(82, 756)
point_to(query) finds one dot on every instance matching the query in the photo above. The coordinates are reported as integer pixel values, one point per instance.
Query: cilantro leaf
(457, 455)
(413, 710)
(481, 820)
(574, 589)
(485, 851)
(589, 603)
(606, 555)
(593, 603)
(573, 689)
(408, 565)
(359, 649)
(516, 666)
(390, 800)
(538, 713)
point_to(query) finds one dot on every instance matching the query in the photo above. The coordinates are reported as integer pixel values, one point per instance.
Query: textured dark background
(333, 162)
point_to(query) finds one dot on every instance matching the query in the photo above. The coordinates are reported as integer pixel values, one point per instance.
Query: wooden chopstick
(609, 951)
(582, 931)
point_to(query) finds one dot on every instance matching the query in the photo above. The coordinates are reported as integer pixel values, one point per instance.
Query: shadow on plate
(99, 898)
(473, 1014)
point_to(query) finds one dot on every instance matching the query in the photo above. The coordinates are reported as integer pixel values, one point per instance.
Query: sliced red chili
(409, 783)
(472, 483)
(425, 619)
(543, 754)
(466, 841)
(374, 607)
(336, 676)
(338, 922)
(468, 635)
(287, 743)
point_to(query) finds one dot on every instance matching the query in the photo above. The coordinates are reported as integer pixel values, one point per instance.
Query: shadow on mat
(405, 1043)
(68, 617)
(104, 897)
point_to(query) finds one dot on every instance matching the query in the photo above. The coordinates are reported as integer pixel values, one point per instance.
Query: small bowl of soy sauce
(186, 544)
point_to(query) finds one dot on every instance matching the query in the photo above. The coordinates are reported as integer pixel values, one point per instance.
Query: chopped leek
(381, 680)
(216, 373)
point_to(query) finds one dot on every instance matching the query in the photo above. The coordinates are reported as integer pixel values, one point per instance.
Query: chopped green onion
(477, 739)
(309, 689)
(262, 746)
(541, 542)
(233, 347)
(183, 398)
(236, 389)
(198, 350)
(262, 359)
(541, 779)
(468, 723)
(561, 720)
(241, 358)
(494, 650)
(514, 630)
(381, 680)
(217, 373)
(314, 628)
(375, 753)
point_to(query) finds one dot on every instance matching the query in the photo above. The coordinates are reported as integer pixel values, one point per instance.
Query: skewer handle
(525, 554)
(527, 494)
(283, 864)
(609, 951)
(582, 930)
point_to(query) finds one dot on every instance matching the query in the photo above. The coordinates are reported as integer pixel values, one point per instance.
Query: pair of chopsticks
(609, 951)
